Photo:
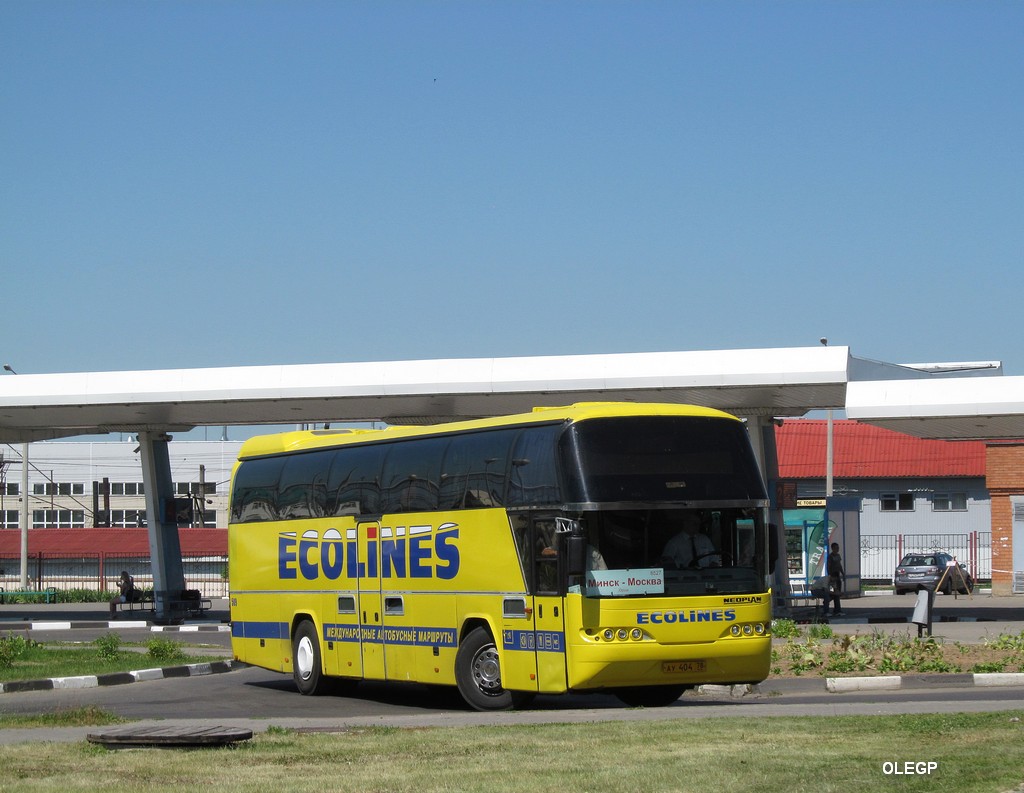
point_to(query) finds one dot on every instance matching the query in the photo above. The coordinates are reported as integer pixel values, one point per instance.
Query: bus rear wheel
(307, 667)
(650, 696)
(478, 673)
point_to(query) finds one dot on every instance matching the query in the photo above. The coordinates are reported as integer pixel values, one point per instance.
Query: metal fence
(100, 571)
(880, 553)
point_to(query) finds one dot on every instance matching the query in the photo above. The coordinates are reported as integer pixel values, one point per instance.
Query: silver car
(924, 570)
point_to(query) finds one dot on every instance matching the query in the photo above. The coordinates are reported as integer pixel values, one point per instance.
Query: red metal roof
(200, 542)
(861, 451)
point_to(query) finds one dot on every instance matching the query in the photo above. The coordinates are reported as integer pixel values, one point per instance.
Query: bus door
(342, 633)
(398, 621)
(370, 609)
(548, 606)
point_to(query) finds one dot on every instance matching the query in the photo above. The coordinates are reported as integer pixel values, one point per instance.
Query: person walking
(836, 575)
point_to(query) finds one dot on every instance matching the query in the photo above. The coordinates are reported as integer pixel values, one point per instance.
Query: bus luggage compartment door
(549, 636)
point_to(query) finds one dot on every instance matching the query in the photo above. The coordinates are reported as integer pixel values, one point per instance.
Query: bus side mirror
(576, 554)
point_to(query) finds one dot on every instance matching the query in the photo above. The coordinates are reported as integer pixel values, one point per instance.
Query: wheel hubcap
(487, 671)
(304, 658)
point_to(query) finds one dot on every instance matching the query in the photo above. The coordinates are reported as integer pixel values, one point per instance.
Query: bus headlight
(748, 629)
(608, 634)
(623, 634)
(636, 634)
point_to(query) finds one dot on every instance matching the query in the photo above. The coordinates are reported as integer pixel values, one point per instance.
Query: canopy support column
(762, 438)
(161, 517)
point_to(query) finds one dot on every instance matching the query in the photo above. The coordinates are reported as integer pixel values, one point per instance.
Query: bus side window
(545, 555)
(353, 487)
(302, 491)
(524, 546)
(254, 497)
(412, 470)
(538, 551)
(533, 478)
(473, 474)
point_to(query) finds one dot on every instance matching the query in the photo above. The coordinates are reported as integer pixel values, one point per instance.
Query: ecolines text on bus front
(402, 552)
(692, 615)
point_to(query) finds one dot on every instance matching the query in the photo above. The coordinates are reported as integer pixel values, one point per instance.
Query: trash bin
(922, 616)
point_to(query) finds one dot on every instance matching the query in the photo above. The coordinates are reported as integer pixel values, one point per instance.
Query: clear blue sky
(234, 183)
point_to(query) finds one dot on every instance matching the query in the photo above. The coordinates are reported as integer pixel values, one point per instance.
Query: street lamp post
(23, 512)
(828, 457)
(828, 445)
(23, 516)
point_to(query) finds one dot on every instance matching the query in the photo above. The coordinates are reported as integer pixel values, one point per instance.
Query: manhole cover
(170, 736)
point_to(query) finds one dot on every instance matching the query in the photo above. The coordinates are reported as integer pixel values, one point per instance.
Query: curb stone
(838, 685)
(774, 686)
(66, 626)
(120, 678)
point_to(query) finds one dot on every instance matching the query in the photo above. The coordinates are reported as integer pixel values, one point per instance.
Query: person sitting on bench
(126, 592)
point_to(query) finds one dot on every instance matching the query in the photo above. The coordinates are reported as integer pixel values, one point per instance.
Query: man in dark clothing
(836, 574)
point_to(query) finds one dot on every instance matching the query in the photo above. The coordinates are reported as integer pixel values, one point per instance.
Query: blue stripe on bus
(412, 636)
(539, 641)
(259, 630)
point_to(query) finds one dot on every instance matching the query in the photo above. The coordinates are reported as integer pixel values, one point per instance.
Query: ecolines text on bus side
(403, 552)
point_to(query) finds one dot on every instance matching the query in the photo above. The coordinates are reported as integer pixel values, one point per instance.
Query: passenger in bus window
(746, 557)
(691, 548)
(594, 559)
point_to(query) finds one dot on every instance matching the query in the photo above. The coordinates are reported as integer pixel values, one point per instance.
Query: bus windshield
(658, 459)
(673, 552)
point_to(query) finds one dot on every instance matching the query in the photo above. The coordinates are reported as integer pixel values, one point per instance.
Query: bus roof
(300, 440)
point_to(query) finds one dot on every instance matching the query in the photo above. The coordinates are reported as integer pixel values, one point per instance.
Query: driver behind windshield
(690, 548)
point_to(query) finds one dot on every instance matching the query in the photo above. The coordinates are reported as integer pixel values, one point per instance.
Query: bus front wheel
(307, 668)
(478, 673)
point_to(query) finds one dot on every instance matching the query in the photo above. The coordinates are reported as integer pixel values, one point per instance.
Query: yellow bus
(602, 547)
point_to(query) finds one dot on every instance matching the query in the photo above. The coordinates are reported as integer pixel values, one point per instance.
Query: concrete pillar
(164, 543)
(762, 438)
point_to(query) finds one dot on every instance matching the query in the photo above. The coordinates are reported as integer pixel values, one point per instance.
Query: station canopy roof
(928, 400)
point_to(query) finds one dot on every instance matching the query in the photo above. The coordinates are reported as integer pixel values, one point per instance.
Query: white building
(94, 484)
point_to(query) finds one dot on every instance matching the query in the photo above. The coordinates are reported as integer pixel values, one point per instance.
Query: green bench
(50, 593)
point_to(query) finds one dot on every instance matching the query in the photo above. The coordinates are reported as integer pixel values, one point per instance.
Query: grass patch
(973, 753)
(816, 651)
(22, 658)
(71, 717)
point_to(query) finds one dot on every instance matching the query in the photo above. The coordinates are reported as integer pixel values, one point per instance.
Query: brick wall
(1004, 477)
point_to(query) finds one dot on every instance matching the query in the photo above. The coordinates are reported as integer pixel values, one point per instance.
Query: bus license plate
(677, 667)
